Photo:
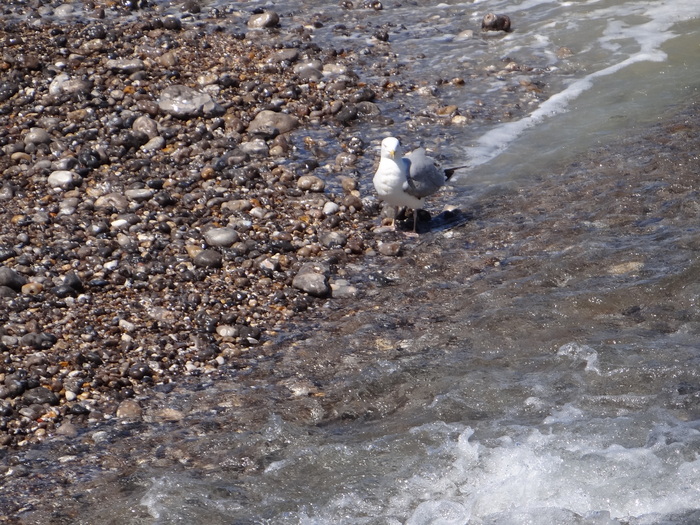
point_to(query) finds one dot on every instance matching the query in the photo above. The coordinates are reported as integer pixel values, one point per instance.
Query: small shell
(32, 288)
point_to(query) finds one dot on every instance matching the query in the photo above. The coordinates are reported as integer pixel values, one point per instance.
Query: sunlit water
(524, 405)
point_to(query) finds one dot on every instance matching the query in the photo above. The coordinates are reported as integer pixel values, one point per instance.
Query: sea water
(571, 435)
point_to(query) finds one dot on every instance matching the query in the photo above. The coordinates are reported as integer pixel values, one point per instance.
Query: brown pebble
(311, 183)
(129, 409)
(493, 22)
(391, 248)
(32, 288)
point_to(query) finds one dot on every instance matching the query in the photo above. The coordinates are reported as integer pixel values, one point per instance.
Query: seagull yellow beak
(392, 153)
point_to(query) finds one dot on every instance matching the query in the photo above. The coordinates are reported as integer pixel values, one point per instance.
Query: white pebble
(330, 208)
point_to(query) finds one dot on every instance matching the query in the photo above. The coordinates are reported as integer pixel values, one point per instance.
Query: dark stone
(71, 279)
(40, 396)
(64, 291)
(139, 371)
(208, 259)
(492, 22)
(11, 279)
(7, 90)
(37, 340)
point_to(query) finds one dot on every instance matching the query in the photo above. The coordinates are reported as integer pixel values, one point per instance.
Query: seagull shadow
(426, 223)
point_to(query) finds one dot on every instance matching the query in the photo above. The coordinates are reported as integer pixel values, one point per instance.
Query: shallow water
(538, 364)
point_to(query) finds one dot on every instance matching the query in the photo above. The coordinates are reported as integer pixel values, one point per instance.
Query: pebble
(390, 248)
(208, 259)
(342, 288)
(37, 136)
(330, 208)
(155, 144)
(11, 278)
(332, 240)
(129, 409)
(256, 147)
(125, 65)
(63, 84)
(312, 278)
(67, 429)
(139, 195)
(267, 19)
(145, 124)
(184, 102)
(227, 331)
(311, 183)
(39, 396)
(32, 288)
(221, 237)
(64, 179)
(266, 120)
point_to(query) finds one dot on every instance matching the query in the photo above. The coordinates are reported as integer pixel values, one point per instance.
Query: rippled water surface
(536, 365)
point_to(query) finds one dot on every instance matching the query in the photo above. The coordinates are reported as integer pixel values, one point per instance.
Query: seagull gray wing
(424, 177)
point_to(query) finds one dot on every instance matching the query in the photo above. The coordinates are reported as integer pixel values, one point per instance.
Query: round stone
(224, 237)
(64, 179)
(184, 102)
(311, 183)
(330, 208)
(264, 20)
(37, 136)
(129, 409)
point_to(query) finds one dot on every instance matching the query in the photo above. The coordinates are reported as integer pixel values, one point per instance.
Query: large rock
(64, 179)
(267, 120)
(184, 102)
(224, 237)
(63, 84)
(312, 278)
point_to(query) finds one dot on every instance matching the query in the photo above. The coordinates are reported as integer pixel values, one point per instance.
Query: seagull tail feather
(451, 171)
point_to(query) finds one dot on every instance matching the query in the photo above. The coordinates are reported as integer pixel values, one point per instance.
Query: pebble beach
(156, 219)
(190, 245)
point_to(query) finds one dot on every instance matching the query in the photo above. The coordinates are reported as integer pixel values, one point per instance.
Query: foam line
(650, 36)
(492, 143)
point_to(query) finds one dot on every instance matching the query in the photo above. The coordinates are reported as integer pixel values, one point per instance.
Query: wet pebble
(40, 395)
(493, 22)
(312, 278)
(267, 19)
(129, 409)
(256, 147)
(184, 102)
(389, 248)
(64, 84)
(272, 120)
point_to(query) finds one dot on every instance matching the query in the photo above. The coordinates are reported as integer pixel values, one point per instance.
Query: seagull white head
(391, 148)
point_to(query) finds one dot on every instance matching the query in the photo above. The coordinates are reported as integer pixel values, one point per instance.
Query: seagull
(406, 181)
